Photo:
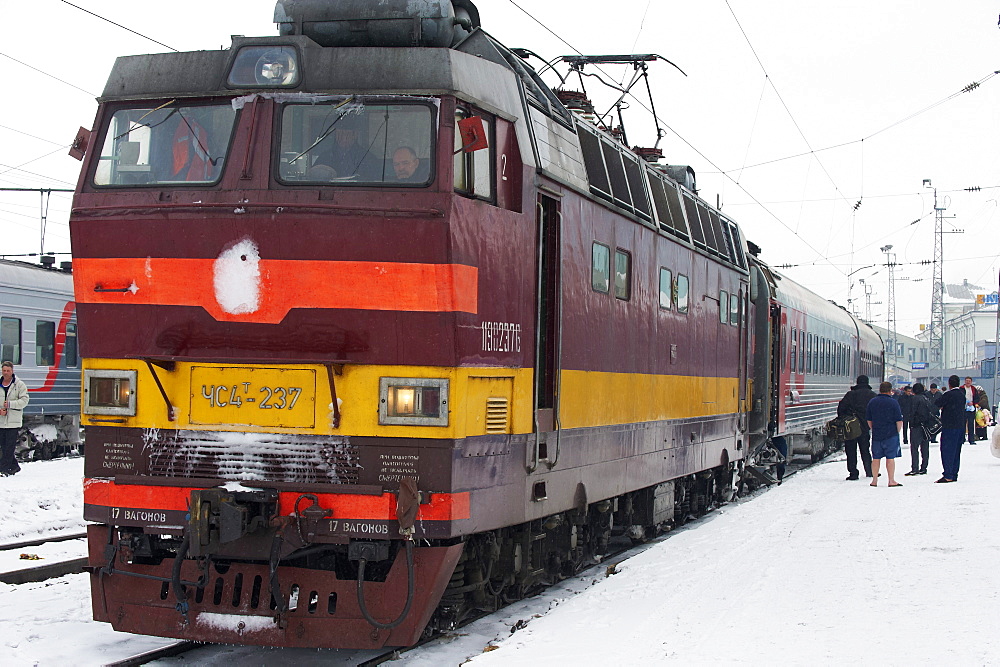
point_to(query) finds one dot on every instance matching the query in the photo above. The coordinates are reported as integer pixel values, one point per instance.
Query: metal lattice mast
(936, 338)
(890, 325)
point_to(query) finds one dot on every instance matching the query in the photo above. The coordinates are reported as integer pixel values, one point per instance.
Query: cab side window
(474, 174)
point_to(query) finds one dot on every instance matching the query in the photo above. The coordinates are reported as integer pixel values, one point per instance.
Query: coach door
(548, 313)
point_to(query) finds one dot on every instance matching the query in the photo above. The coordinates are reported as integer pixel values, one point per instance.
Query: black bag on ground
(842, 429)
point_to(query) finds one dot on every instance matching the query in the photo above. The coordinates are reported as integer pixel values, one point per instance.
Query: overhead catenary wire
(9, 168)
(40, 157)
(967, 89)
(51, 76)
(49, 141)
(756, 201)
(681, 138)
(119, 25)
(781, 99)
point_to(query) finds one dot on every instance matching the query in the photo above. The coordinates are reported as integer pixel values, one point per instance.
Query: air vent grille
(497, 415)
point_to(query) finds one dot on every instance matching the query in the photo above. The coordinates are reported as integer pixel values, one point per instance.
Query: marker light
(109, 392)
(413, 401)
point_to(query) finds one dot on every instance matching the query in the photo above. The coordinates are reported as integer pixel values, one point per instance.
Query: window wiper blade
(327, 132)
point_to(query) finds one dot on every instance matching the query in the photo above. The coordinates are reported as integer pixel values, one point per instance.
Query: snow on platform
(816, 571)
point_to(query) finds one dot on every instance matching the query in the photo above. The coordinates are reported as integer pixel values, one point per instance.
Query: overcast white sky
(827, 75)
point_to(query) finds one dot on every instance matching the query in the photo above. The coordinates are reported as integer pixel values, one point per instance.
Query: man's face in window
(405, 163)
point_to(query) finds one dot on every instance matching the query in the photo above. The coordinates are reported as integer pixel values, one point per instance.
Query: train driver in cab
(407, 166)
(343, 156)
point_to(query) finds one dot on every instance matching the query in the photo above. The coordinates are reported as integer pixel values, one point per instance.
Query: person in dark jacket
(952, 404)
(905, 399)
(921, 414)
(854, 403)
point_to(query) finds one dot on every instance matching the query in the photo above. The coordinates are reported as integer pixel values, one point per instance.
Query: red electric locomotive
(376, 332)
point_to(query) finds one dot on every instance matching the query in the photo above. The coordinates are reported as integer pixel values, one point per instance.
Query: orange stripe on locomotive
(283, 285)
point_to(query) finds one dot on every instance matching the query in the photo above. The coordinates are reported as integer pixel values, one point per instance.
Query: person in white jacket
(13, 399)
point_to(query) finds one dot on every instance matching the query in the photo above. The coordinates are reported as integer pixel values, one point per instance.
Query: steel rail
(156, 654)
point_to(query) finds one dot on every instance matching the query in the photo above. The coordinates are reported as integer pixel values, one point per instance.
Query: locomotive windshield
(349, 143)
(173, 144)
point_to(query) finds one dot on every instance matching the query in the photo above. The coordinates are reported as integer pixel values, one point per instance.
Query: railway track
(156, 654)
(48, 570)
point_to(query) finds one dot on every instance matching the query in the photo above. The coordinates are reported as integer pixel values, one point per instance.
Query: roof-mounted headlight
(265, 66)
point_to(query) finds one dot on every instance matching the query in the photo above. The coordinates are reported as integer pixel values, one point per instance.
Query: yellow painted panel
(589, 398)
(357, 389)
(243, 395)
(586, 398)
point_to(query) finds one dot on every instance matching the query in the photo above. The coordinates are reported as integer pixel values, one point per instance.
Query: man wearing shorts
(885, 420)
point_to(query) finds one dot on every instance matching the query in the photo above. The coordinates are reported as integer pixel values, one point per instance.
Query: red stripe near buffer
(442, 506)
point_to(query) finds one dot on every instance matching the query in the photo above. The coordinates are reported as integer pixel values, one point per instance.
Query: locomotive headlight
(109, 392)
(413, 401)
(265, 66)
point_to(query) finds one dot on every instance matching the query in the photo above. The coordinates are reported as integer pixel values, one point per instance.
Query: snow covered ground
(817, 571)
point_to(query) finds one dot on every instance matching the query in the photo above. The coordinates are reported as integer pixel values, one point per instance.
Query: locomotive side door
(548, 315)
(745, 334)
(761, 398)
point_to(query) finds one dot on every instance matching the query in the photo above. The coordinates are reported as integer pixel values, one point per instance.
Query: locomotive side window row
(729, 308)
(673, 292)
(600, 275)
(616, 175)
(670, 292)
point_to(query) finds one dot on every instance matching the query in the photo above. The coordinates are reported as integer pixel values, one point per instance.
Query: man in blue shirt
(885, 420)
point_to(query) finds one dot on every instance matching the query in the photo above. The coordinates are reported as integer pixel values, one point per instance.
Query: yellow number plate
(253, 396)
